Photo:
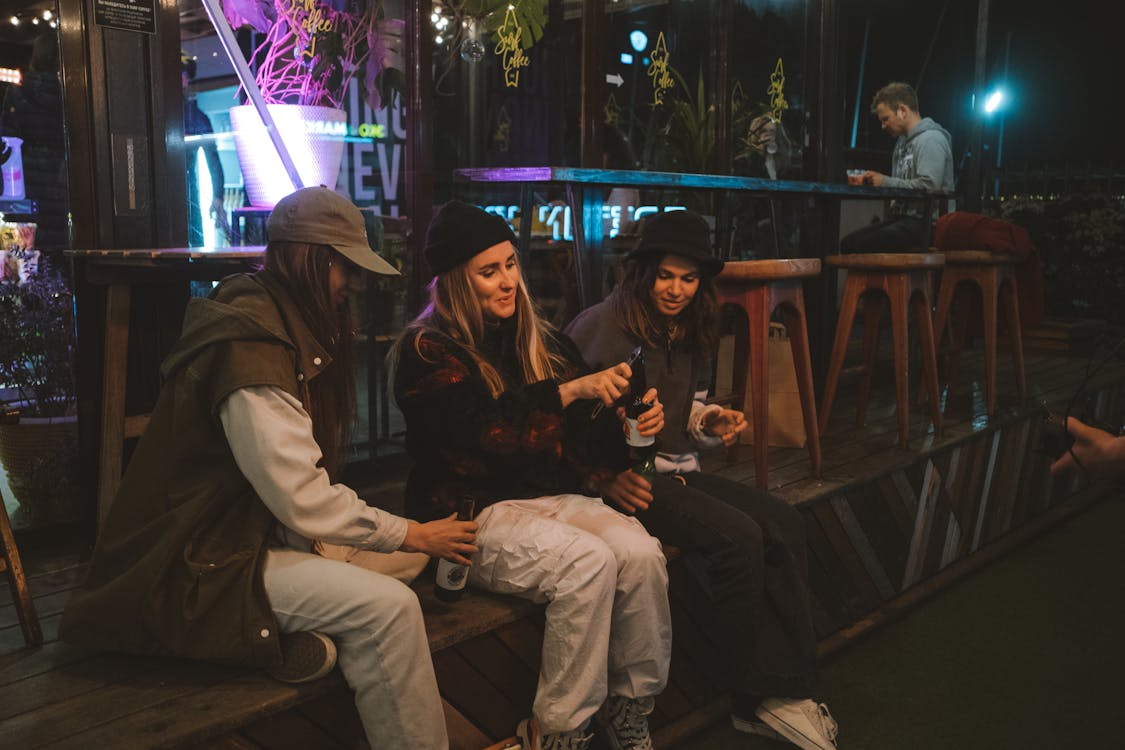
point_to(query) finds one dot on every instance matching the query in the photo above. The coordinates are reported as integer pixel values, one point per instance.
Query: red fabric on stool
(961, 230)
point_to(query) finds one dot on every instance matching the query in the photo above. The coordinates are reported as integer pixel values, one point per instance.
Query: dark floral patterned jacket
(521, 444)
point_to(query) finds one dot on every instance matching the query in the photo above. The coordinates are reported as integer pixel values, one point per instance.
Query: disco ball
(472, 50)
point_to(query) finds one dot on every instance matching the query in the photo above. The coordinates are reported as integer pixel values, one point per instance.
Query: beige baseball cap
(321, 216)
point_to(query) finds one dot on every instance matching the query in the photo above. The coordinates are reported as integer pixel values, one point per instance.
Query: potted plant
(311, 53)
(38, 428)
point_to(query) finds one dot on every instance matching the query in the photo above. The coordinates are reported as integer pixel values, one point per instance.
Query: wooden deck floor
(883, 523)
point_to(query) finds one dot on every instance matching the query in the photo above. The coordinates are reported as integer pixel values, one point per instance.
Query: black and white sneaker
(626, 722)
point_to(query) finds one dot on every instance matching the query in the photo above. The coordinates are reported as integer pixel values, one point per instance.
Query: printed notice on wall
(127, 15)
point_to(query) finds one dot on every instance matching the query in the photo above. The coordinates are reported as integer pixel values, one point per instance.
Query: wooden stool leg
(115, 358)
(946, 291)
(898, 293)
(1010, 294)
(17, 581)
(799, 342)
(873, 306)
(757, 312)
(927, 343)
(958, 337)
(989, 303)
(853, 287)
(740, 361)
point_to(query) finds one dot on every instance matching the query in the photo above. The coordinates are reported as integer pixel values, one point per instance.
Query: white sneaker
(751, 726)
(531, 739)
(626, 722)
(805, 723)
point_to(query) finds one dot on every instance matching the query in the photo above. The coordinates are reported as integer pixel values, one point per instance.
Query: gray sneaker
(805, 723)
(305, 656)
(530, 739)
(626, 722)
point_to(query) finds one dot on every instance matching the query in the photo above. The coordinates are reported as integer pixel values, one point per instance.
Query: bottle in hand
(451, 576)
(642, 449)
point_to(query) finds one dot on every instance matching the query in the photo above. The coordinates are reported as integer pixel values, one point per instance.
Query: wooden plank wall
(870, 542)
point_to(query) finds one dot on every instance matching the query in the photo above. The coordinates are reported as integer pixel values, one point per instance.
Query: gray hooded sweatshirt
(922, 160)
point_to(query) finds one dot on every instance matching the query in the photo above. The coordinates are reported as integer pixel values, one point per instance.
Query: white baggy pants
(605, 582)
(376, 623)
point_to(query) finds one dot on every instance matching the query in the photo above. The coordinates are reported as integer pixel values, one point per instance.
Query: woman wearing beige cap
(210, 548)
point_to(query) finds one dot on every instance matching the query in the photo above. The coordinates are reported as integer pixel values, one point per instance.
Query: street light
(994, 101)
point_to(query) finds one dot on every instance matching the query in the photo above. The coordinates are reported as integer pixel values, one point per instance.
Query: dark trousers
(898, 235)
(751, 550)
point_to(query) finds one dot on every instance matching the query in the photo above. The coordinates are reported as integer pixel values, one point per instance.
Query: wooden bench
(485, 650)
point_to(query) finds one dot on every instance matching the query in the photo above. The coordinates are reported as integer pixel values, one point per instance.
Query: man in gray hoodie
(922, 160)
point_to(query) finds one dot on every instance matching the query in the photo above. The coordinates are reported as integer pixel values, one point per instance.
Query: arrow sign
(615, 79)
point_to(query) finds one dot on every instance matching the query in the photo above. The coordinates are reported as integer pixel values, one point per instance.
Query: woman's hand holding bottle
(446, 538)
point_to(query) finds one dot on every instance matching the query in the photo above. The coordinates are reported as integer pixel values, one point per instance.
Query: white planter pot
(313, 135)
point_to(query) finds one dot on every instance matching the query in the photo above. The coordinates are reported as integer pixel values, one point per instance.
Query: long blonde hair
(455, 311)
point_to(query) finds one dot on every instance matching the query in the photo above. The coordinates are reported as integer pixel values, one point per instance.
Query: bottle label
(451, 576)
(634, 436)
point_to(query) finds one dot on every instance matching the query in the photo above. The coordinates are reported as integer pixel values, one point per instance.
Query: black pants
(899, 235)
(751, 547)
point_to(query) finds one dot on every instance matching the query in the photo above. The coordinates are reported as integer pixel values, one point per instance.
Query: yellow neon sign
(658, 71)
(512, 57)
(311, 19)
(776, 92)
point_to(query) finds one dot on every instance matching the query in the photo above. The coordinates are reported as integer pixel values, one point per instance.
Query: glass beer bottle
(642, 449)
(451, 577)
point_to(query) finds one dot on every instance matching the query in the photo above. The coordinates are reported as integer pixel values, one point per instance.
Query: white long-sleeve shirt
(271, 437)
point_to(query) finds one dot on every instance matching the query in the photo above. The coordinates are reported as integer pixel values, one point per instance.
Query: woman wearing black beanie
(497, 407)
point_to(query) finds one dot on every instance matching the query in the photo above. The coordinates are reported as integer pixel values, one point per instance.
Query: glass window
(337, 132)
(38, 429)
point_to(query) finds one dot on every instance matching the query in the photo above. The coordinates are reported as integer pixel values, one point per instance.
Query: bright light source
(626, 58)
(46, 15)
(639, 40)
(993, 102)
(15, 21)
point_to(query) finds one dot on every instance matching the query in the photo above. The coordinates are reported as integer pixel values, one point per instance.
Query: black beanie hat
(683, 233)
(459, 231)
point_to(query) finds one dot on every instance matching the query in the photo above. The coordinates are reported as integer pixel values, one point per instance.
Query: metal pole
(976, 140)
(246, 78)
(1000, 135)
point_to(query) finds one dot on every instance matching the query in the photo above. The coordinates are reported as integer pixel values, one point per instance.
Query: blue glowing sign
(555, 220)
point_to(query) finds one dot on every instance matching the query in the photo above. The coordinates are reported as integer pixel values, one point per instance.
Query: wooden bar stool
(12, 568)
(995, 275)
(759, 288)
(904, 279)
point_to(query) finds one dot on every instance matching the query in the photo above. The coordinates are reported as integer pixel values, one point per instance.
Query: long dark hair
(696, 327)
(303, 269)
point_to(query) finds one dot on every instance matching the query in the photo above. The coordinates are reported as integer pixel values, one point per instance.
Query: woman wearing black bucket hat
(753, 545)
(211, 549)
(497, 407)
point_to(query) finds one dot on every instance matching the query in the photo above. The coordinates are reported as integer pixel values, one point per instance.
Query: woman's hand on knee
(447, 538)
(629, 491)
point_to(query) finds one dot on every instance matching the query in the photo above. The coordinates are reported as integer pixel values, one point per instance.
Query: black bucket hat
(683, 233)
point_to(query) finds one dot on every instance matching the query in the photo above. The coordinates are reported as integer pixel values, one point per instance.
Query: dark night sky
(1066, 72)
